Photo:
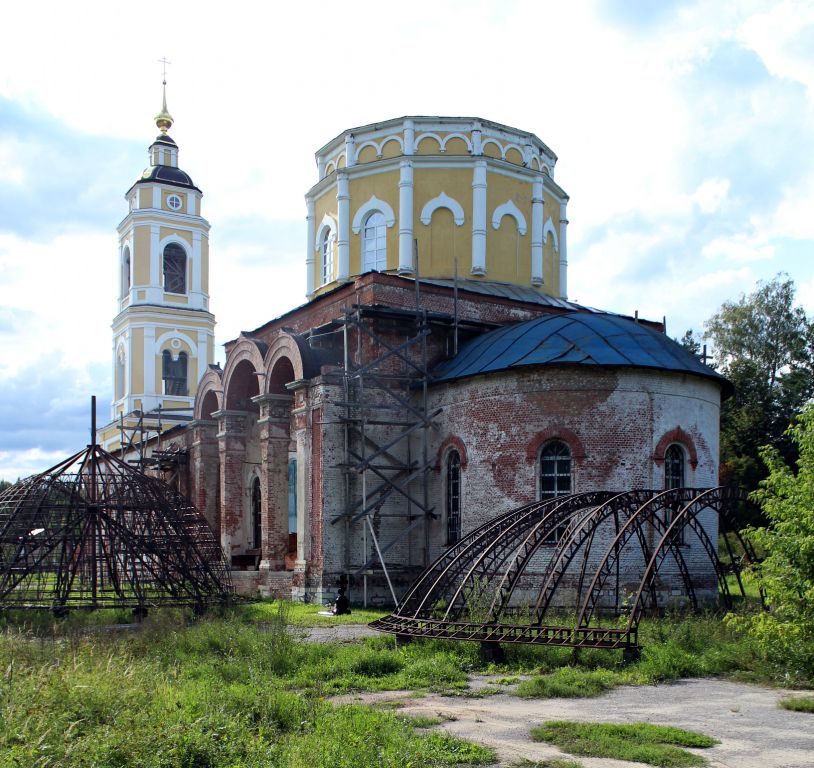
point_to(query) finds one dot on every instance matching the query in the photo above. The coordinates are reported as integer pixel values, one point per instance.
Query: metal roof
(506, 291)
(574, 338)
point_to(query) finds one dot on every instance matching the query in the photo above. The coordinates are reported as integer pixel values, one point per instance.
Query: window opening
(555, 478)
(126, 272)
(374, 243)
(674, 478)
(327, 251)
(453, 505)
(257, 514)
(174, 202)
(174, 373)
(175, 269)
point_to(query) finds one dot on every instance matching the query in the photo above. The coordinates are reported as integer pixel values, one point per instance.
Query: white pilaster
(321, 163)
(563, 252)
(149, 361)
(310, 271)
(156, 197)
(343, 226)
(350, 151)
(203, 358)
(409, 137)
(537, 232)
(196, 269)
(479, 218)
(477, 147)
(406, 217)
(190, 203)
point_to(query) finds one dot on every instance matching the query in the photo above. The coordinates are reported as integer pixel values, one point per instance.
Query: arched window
(175, 269)
(674, 478)
(374, 243)
(555, 478)
(453, 499)
(555, 470)
(326, 250)
(174, 373)
(125, 271)
(674, 467)
(257, 515)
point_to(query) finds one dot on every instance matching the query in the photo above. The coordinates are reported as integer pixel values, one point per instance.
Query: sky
(684, 131)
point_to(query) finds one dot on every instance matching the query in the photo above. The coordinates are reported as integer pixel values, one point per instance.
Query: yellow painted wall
(176, 298)
(513, 156)
(508, 254)
(145, 197)
(435, 248)
(141, 256)
(490, 149)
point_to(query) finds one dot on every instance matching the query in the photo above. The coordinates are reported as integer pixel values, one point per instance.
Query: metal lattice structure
(591, 556)
(93, 532)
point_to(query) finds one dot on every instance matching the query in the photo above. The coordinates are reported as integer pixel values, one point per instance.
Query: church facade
(436, 376)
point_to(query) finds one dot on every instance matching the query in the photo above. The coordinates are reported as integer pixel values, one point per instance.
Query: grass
(552, 762)
(237, 688)
(305, 614)
(657, 745)
(798, 703)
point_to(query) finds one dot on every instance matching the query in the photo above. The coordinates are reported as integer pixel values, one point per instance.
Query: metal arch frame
(501, 550)
(94, 532)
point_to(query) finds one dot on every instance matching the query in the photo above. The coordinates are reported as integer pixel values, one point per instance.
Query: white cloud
(711, 194)
(738, 248)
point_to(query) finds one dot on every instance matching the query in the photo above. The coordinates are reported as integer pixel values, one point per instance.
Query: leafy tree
(785, 634)
(690, 342)
(4, 484)
(763, 344)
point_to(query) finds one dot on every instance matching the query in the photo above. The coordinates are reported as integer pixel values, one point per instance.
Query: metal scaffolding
(386, 419)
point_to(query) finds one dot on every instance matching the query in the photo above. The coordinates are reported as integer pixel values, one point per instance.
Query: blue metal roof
(574, 338)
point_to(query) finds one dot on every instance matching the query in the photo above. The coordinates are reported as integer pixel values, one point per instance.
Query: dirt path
(753, 730)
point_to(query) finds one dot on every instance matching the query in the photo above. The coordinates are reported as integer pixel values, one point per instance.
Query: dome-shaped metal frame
(93, 532)
(589, 556)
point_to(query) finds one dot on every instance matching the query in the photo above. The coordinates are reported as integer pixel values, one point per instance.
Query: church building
(436, 376)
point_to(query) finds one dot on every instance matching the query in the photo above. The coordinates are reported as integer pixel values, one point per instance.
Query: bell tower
(163, 334)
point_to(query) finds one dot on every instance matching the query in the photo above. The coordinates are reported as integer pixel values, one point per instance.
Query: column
(350, 151)
(537, 232)
(406, 217)
(149, 366)
(310, 270)
(479, 219)
(343, 226)
(409, 137)
(232, 451)
(563, 251)
(274, 422)
(204, 470)
(196, 268)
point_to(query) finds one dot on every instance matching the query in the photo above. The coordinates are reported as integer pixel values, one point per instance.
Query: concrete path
(753, 730)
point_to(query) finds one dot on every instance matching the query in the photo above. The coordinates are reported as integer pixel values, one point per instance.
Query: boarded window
(175, 269)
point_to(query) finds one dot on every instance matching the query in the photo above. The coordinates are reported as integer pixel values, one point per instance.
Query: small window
(674, 467)
(555, 478)
(257, 515)
(374, 243)
(453, 500)
(674, 478)
(120, 373)
(174, 374)
(327, 252)
(174, 202)
(175, 269)
(125, 271)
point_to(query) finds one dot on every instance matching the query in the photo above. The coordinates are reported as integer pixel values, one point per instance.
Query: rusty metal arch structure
(93, 532)
(593, 555)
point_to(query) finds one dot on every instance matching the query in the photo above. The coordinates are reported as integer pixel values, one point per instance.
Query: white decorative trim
(485, 142)
(509, 209)
(374, 204)
(550, 229)
(171, 336)
(369, 144)
(443, 201)
(328, 222)
(329, 169)
(463, 136)
(429, 135)
(479, 218)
